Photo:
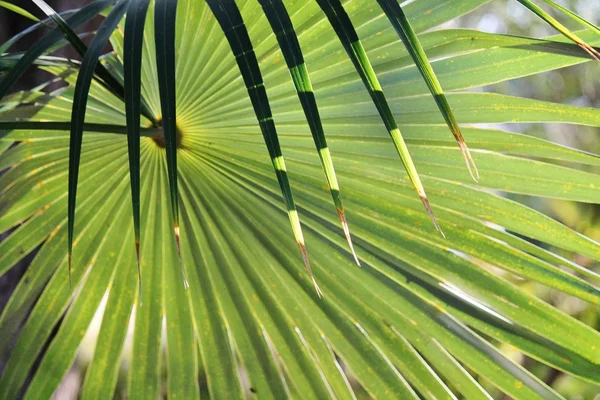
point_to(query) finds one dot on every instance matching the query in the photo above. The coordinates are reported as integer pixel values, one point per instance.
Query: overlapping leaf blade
(132, 63)
(47, 42)
(257, 327)
(10, 42)
(347, 34)
(72, 37)
(561, 28)
(80, 99)
(288, 42)
(402, 26)
(228, 15)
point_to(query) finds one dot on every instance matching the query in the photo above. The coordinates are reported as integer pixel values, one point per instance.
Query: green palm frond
(16, 9)
(132, 63)
(213, 94)
(573, 16)
(288, 42)
(561, 28)
(341, 23)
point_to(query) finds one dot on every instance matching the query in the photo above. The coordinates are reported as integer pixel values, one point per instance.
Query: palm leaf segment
(420, 318)
(232, 24)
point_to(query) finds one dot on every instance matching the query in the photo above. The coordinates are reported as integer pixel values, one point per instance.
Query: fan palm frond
(181, 163)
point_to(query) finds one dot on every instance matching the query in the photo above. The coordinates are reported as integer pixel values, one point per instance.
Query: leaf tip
(429, 210)
(346, 229)
(137, 256)
(186, 284)
(309, 269)
(595, 54)
(471, 166)
(69, 257)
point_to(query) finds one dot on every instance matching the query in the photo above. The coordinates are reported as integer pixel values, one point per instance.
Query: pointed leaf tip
(282, 26)
(177, 240)
(563, 29)
(347, 234)
(471, 166)
(229, 18)
(69, 271)
(402, 25)
(429, 210)
(309, 269)
(595, 54)
(354, 49)
(137, 256)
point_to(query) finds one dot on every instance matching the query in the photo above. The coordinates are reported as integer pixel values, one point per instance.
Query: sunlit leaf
(425, 317)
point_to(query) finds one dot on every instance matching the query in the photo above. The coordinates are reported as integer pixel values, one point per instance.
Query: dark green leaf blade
(16, 9)
(164, 35)
(132, 64)
(405, 31)
(71, 36)
(7, 126)
(282, 26)
(47, 42)
(573, 16)
(82, 87)
(103, 75)
(340, 21)
(595, 54)
(228, 16)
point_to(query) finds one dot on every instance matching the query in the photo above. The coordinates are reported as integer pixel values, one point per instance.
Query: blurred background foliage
(578, 85)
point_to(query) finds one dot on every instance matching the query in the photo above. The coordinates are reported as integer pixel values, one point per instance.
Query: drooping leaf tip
(346, 229)
(429, 210)
(309, 269)
(595, 54)
(137, 256)
(137, 252)
(177, 241)
(69, 271)
(471, 166)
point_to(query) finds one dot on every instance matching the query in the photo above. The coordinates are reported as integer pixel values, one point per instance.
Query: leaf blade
(164, 35)
(16, 9)
(402, 26)
(84, 81)
(595, 54)
(132, 64)
(341, 23)
(230, 19)
(48, 41)
(288, 42)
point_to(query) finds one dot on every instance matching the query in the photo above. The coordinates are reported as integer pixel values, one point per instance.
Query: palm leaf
(561, 28)
(134, 38)
(425, 317)
(346, 33)
(288, 42)
(84, 79)
(16, 9)
(230, 19)
(401, 24)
